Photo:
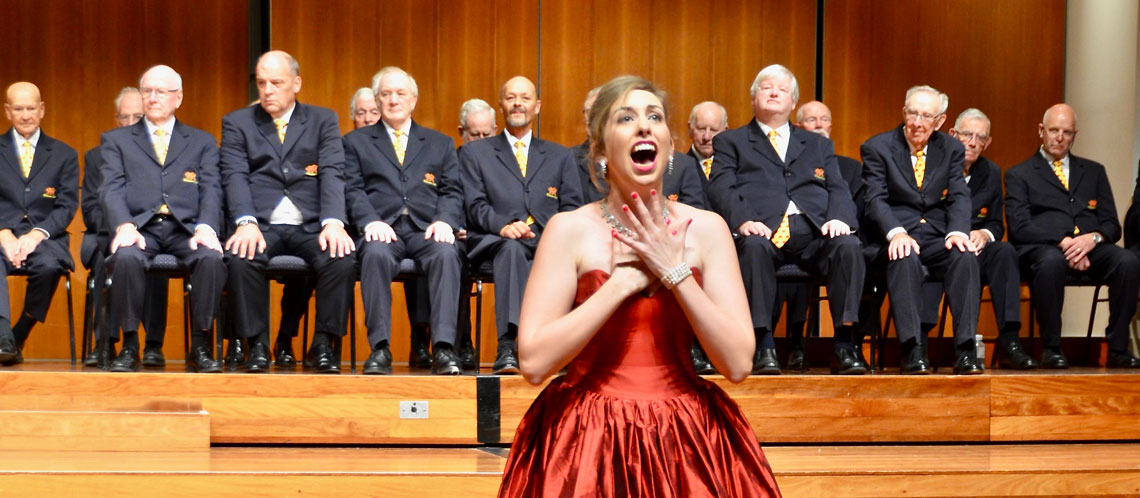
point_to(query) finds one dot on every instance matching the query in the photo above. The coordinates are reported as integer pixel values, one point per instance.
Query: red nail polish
(653, 192)
(634, 195)
(668, 221)
(674, 232)
(625, 208)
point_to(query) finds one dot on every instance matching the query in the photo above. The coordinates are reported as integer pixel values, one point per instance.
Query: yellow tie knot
(281, 124)
(1059, 170)
(520, 156)
(707, 165)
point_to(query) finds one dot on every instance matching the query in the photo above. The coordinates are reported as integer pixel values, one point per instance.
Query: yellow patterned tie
(26, 155)
(707, 166)
(1058, 169)
(783, 233)
(281, 124)
(160, 146)
(919, 167)
(401, 146)
(520, 156)
(775, 143)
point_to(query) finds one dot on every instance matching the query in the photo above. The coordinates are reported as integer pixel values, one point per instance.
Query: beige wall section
(1101, 84)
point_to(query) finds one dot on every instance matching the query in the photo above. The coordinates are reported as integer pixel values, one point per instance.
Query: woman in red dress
(617, 291)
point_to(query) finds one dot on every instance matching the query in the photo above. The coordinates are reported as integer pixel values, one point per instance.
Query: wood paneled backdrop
(81, 53)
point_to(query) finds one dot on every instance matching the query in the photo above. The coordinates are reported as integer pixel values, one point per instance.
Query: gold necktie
(520, 156)
(783, 233)
(401, 146)
(1059, 170)
(775, 143)
(160, 146)
(707, 166)
(281, 124)
(26, 155)
(919, 167)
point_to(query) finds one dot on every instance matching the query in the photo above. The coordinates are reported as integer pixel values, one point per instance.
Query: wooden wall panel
(1004, 57)
(81, 53)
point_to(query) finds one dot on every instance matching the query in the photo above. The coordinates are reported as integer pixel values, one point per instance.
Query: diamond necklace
(618, 226)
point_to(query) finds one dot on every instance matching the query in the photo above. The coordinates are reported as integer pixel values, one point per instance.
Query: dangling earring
(602, 167)
(669, 168)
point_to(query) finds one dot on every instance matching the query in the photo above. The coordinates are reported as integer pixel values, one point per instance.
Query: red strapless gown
(632, 418)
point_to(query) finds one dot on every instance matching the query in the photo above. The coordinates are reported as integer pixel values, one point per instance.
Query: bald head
(815, 117)
(1058, 131)
(24, 108)
(278, 81)
(161, 89)
(520, 105)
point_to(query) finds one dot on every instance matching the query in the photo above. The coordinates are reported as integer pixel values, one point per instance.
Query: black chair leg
(478, 324)
(70, 316)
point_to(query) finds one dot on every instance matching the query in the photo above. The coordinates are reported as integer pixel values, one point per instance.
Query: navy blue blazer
(749, 182)
(496, 193)
(379, 187)
(987, 210)
(135, 185)
(258, 170)
(894, 199)
(90, 207)
(47, 199)
(1039, 210)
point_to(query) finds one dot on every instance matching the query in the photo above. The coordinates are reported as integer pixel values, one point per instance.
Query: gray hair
(360, 92)
(169, 72)
(775, 70)
(944, 100)
(971, 113)
(723, 113)
(386, 70)
(474, 105)
(123, 93)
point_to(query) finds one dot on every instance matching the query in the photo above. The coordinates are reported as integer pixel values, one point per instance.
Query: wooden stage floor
(801, 471)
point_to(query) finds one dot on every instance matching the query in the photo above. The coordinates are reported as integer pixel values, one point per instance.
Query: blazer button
(405, 197)
(284, 170)
(1071, 200)
(787, 173)
(165, 195)
(163, 173)
(922, 220)
(27, 189)
(286, 191)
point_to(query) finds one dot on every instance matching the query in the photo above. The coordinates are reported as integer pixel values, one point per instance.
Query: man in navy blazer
(282, 168)
(513, 184)
(917, 198)
(706, 120)
(161, 195)
(780, 189)
(39, 191)
(1062, 219)
(997, 260)
(404, 195)
(93, 253)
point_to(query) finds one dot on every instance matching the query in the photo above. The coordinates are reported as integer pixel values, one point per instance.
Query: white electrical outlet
(413, 409)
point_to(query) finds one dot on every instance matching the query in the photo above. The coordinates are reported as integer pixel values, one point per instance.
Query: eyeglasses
(967, 136)
(128, 117)
(157, 92)
(914, 115)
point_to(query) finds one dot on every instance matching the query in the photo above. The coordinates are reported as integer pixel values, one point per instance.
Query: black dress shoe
(467, 353)
(8, 350)
(765, 362)
(701, 362)
(258, 360)
(915, 362)
(967, 363)
(445, 361)
(796, 361)
(200, 361)
(1012, 355)
(106, 350)
(1054, 359)
(378, 363)
(16, 360)
(324, 361)
(507, 361)
(235, 353)
(419, 356)
(92, 358)
(283, 355)
(846, 362)
(153, 358)
(1121, 359)
(126, 361)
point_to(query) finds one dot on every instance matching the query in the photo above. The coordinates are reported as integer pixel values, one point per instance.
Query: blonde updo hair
(609, 94)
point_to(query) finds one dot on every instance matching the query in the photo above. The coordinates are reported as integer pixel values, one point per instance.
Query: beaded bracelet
(676, 275)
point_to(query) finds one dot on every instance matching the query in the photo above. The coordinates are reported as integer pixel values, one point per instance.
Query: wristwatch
(245, 222)
(1097, 238)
